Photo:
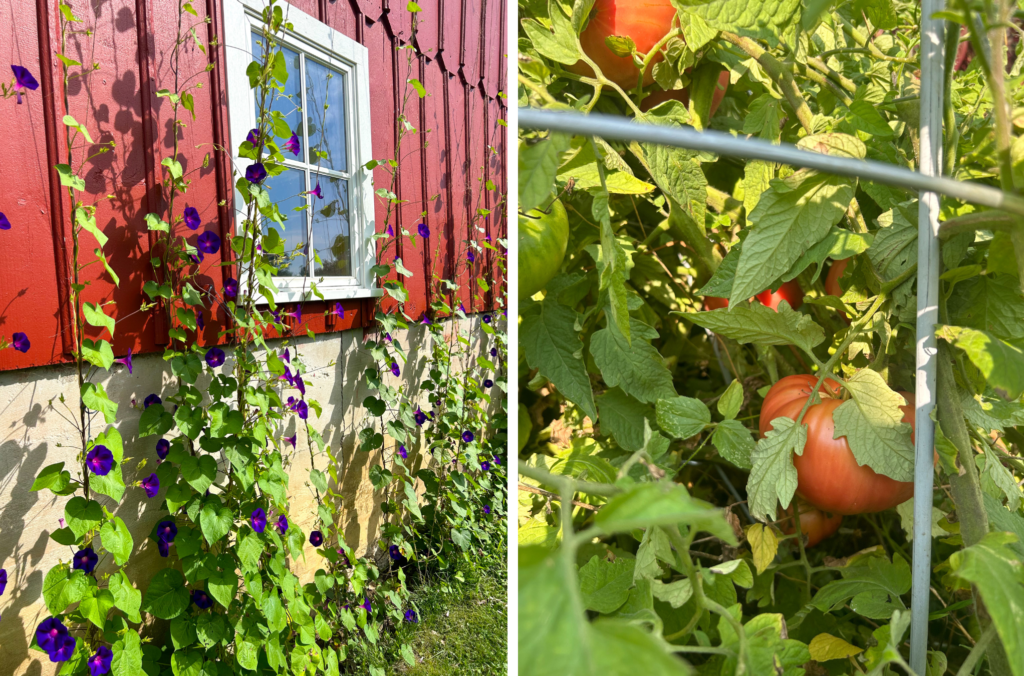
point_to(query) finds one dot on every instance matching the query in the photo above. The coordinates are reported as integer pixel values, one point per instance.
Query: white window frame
(330, 47)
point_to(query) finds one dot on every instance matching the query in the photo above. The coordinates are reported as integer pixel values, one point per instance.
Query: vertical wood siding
(459, 145)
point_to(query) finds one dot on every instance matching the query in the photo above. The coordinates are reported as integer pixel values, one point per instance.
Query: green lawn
(463, 627)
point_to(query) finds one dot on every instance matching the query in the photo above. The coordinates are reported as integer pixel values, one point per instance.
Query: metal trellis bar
(618, 128)
(932, 42)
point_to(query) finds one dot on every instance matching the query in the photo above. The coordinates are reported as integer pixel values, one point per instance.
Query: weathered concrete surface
(34, 435)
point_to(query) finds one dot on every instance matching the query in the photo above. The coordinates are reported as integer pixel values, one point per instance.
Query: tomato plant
(667, 431)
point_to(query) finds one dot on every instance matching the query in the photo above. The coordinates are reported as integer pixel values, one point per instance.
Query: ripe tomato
(644, 21)
(832, 286)
(542, 241)
(791, 292)
(683, 95)
(828, 475)
(814, 523)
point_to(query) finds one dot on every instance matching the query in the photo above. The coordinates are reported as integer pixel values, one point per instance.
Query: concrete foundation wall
(33, 435)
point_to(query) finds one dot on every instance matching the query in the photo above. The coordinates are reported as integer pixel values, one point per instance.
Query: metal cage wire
(928, 183)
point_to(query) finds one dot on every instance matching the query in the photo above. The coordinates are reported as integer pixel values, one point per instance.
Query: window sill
(328, 293)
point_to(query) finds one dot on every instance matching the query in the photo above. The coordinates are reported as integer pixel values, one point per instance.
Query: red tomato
(644, 21)
(789, 292)
(715, 303)
(828, 475)
(832, 286)
(683, 95)
(814, 523)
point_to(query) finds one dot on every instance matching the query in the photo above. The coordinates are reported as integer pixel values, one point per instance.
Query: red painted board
(436, 173)
(493, 46)
(415, 257)
(371, 9)
(451, 35)
(342, 16)
(472, 25)
(428, 28)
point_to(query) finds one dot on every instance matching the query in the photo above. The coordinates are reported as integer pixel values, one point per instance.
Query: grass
(463, 623)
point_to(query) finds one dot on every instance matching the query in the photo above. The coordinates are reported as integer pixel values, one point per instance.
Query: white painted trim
(331, 47)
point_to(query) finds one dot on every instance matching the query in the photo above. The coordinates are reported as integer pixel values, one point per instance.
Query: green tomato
(543, 238)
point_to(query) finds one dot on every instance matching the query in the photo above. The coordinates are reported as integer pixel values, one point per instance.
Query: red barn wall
(460, 58)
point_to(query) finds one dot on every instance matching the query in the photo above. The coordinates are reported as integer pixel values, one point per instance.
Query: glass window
(306, 218)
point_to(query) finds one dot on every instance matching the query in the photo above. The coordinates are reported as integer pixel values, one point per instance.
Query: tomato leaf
(637, 368)
(755, 323)
(553, 347)
(773, 477)
(872, 423)
(1001, 363)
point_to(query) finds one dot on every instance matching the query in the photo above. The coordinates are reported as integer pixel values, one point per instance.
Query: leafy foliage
(657, 527)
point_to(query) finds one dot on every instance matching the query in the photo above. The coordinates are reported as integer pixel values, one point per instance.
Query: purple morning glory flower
(494, 352)
(64, 649)
(85, 560)
(151, 485)
(295, 314)
(411, 616)
(487, 319)
(316, 538)
(366, 605)
(395, 370)
(487, 509)
(282, 524)
(231, 288)
(298, 383)
(286, 357)
(166, 531)
(5, 224)
(338, 311)
(292, 439)
(214, 357)
(99, 663)
(192, 218)
(287, 375)
(292, 145)
(302, 409)
(3, 581)
(316, 192)
(253, 136)
(201, 599)
(163, 548)
(163, 447)
(485, 466)
(100, 460)
(488, 383)
(150, 400)
(467, 437)
(23, 78)
(470, 256)
(496, 460)
(404, 454)
(49, 633)
(200, 322)
(423, 230)
(462, 308)
(208, 242)
(20, 342)
(255, 173)
(390, 231)
(258, 520)
(126, 360)
(387, 337)
(420, 417)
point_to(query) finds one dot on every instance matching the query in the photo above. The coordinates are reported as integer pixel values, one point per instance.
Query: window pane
(330, 228)
(288, 102)
(325, 117)
(286, 191)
